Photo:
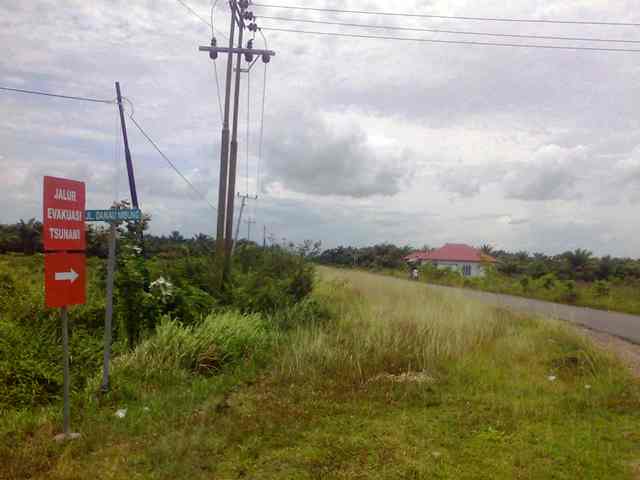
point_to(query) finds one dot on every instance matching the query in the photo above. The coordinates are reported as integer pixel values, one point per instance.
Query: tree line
(577, 265)
(26, 237)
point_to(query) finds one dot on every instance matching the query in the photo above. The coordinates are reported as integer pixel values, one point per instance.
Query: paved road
(619, 324)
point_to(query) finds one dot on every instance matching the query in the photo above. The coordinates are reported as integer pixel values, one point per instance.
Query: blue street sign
(113, 215)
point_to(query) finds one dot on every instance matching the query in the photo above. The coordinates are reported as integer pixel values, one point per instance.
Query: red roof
(452, 252)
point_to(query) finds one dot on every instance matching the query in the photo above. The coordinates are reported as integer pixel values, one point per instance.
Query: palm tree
(486, 249)
(8, 238)
(29, 234)
(580, 262)
(579, 258)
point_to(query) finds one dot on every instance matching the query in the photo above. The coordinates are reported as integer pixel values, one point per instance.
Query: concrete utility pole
(228, 159)
(242, 205)
(249, 222)
(264, 236)
(233, 158)
(224, 145)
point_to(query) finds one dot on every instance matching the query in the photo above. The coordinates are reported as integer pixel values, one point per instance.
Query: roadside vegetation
(362, 377)
(574, 277)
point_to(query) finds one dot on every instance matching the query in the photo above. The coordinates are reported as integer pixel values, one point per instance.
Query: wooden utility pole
(127, 152)
(127, 155)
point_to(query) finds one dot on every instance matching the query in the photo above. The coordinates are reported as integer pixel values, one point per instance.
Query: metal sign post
(111, 263)
(113, 217)
(65, 363)
(64, 265)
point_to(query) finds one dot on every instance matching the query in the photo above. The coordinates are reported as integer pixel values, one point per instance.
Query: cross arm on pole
(253, 51)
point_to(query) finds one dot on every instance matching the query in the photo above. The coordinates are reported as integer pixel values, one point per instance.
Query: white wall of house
(473, 269)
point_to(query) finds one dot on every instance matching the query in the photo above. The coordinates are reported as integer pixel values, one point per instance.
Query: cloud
(364, 141)
(320, 157)
(551, 174)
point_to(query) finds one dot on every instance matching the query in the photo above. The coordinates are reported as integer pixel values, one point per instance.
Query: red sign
(63, 214)
(65, 279)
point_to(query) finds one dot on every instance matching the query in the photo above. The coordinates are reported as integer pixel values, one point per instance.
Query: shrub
(265, 281)
(602, 288)
(220, 340)
(31, 362)
(548, 281)
(310, 311)
(134, 308)
(570, 292)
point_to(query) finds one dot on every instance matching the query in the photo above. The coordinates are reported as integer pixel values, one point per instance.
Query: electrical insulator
(248, 56)
(265, 58)
(244, 4)
(249, 16)
(253, 27)
(213, 54)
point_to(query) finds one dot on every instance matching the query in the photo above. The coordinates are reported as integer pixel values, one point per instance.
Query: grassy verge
(401, 383)
(618, 297)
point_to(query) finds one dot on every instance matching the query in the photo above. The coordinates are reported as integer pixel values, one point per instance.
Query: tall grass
(391, 326)
(177, 351)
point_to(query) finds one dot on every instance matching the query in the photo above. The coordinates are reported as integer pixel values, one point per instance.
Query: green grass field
(619, 295)
(402, 383)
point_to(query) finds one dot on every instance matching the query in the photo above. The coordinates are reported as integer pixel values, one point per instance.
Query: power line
(170, 162)
(201, 18)
(248, 126)
(455, 42)
(264, 95)
(48, 94)
(213, 7)
(457, 32)
(215, 72)
(450, 17)
(194, 13)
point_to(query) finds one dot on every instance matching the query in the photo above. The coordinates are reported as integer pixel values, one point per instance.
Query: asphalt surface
(621, 325)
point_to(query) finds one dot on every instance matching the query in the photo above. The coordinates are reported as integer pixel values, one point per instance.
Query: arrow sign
(65, 279)
(71, 275)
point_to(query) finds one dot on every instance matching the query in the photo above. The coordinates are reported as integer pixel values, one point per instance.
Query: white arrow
(71, 275)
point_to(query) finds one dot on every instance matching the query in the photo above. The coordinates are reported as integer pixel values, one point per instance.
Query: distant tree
(97, 241)
(29, 234)
(8, 238)
(176, 236)
(581, 264)
(607, 268)
(486, 249)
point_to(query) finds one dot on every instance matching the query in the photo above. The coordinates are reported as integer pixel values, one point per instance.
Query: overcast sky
(365, 141)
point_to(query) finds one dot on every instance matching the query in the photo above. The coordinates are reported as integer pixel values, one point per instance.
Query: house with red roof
(469, 261)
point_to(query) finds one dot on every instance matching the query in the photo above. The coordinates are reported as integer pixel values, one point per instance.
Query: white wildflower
(552, 378)
(121, 413)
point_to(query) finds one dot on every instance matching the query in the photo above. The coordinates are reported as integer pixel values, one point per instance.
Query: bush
(266, 281)
(602, 288)
(220, 340)
(569, 293)
(548, 281)
(310, 311)
(31, 363)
